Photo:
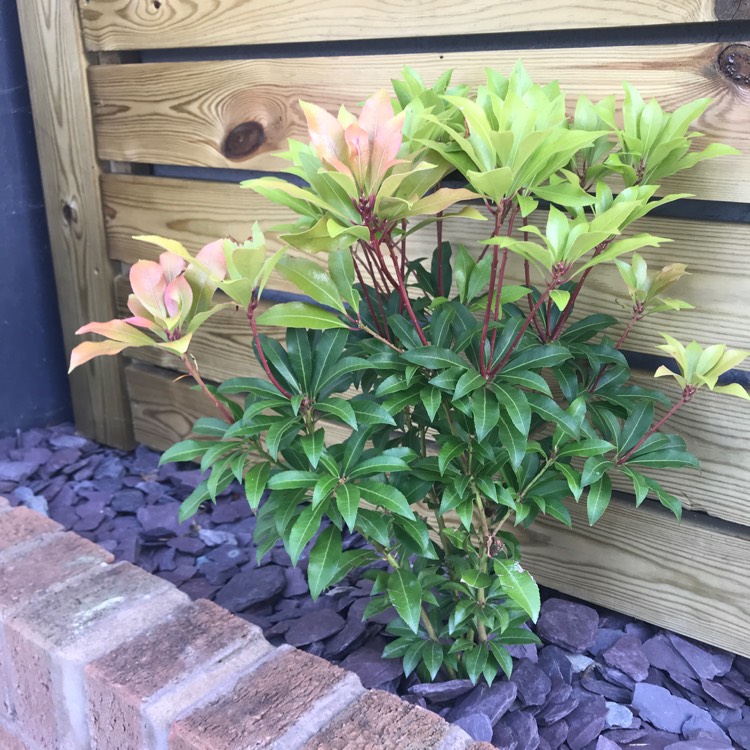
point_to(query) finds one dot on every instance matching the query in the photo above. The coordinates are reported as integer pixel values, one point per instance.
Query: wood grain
(143, 24)
(183, 113)
(57, 67)
(718, 254)
(689, 577)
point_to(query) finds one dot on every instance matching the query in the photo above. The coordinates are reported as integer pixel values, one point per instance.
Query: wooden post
(57, 71)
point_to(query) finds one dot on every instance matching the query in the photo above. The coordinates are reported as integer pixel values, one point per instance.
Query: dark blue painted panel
(33, 384)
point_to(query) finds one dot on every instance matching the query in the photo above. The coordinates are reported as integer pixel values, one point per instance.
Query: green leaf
(328, 350)
(475, 579)
(324, 561)
(537, 357)
(514, 401)
(468, 382)
(671, 458)
(431, 397)
(299, 315)
(313, 446)
(502, 657)
(636, 425)
(593, 469)
(600, 493)
(185, 450)
(405, 593)
(583, 448)
(278, 431)
(432, 656)
(573, 477)
(210, 426)
(450, 449)
(486, 412)
(339, 408)
(347, 501)
(560, 297)
(519, 586)
(370, 412)
(323, 488)
(474, 661)
(512, 440)
(311, 279)
(382, 464)
(292, 480)
(373, 526)
(256, 480)
(386, 496)
(640, 484)
(434, 358)
(190, 505)
(300, 356)
(341, 268)
(302, 531)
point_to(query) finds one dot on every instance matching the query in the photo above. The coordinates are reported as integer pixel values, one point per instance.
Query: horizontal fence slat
(196, 212)
(690, 577)
(144, 24)
(195, 113)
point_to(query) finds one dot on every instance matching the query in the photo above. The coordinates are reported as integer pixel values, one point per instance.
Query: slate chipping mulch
(600, 681)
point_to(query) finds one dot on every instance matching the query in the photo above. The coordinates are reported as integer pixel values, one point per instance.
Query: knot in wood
(734, 63)
(69, 213)
(244, 140)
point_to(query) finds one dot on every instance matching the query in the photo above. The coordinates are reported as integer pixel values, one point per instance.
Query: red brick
(50, 641)
(21, 525)
(138, 690)
(380, 721)
(9, 740)
(280, 705)
(481, 746)
(30, 570)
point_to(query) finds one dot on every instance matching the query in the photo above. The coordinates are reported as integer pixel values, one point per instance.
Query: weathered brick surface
(164, 671)
(50, 641)
(277, 707)
(380, 721)
(27, 571)
(4, 505)
(481, 746)
(21, 524)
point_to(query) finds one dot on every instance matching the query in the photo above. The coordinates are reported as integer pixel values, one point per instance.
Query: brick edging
(98, 654)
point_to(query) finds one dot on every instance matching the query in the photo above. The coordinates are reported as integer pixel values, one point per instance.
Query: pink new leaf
(376, 112)
(359, 153)
(212, 258)
(172, 265)
(385, 147)
(148, 283)
(326, 136)
(178, 298)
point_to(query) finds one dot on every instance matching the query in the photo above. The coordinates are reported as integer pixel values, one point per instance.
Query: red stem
(405, 297)
(199, 380)
(261, 355)
(542, 299)
(368, 301)
(573, 297)
(634, 318)
(687, 393)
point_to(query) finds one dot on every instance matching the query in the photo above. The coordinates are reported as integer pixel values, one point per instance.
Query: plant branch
(193, 370)
(261, 355)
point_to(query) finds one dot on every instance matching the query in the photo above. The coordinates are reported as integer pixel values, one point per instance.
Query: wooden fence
(121, 88)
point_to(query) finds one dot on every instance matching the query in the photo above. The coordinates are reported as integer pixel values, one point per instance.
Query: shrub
(474, 404)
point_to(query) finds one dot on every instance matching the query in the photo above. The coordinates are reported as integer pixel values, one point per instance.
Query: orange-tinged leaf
(90, 349)
(385, 147)
(148, 284)
(359, 152)
(376, 112)
(117, 330)
(442, 199)
(171, 246)
(326, 133)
